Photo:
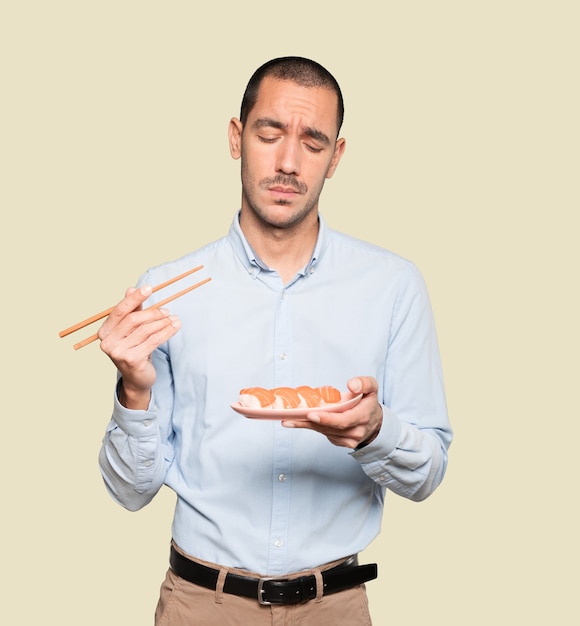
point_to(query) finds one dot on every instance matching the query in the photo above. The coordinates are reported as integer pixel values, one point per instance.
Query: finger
(120, 325)
(363, 384)
(345, 439)
(329, 424)
(133, 300)
(160, 333)
(334, 420)
(144, 330)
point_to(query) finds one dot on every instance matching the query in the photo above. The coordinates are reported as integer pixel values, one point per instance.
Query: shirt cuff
(135, 423)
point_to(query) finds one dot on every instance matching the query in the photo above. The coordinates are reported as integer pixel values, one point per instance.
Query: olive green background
(462, 154)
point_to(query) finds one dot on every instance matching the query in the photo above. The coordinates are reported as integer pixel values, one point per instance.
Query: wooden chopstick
(85, 342)
(99, 316)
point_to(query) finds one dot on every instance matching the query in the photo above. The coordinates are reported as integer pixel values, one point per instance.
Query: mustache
(285, 181)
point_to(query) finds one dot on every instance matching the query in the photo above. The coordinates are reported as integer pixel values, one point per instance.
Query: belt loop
(219, 586)
(319, 585)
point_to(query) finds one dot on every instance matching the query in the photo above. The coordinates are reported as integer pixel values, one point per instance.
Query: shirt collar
(252, 262)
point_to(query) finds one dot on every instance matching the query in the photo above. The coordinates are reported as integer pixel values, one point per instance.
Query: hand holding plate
(353, 427)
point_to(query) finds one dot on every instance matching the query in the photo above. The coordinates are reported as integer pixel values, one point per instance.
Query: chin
(283, 215)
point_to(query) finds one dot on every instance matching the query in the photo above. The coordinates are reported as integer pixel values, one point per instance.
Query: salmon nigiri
(287, 397)
(303, 397)
(310, 397)
(257, 398)
(329, 394)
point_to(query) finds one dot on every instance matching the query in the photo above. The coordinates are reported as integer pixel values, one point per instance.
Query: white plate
(347, 402)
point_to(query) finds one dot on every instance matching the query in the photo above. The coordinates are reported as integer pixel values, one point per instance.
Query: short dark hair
(299, 70)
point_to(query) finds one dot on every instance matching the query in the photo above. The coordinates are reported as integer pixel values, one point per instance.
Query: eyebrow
(313, 133)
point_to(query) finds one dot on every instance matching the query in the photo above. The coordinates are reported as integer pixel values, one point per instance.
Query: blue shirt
(251, 493)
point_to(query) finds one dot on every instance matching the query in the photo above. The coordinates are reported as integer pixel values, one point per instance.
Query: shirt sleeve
(409, 456)
(136, 451)
(413, 467)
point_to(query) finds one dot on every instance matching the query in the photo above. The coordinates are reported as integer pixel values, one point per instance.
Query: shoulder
(169, 269)
(366, 255)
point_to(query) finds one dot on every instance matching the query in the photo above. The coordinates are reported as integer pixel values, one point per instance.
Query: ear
(339, 149)
(235, 137)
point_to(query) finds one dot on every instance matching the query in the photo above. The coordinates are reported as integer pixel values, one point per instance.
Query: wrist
(374, 434)
(368, 440)
(134, 399)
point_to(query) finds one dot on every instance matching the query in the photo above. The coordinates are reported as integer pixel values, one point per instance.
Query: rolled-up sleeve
(410, 454)
(137, 450)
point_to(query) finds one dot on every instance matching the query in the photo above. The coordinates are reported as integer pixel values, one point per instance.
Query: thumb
(362, 384)
(355, 385)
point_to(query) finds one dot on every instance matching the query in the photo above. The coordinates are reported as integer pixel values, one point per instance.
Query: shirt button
(278, 543)
(147, 423)
(282, 478)
(148, 463)
(283, 356)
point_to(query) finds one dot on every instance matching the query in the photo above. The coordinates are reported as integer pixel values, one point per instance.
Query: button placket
(282, 438)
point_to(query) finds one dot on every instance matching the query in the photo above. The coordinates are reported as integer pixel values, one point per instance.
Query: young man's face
(288, 148)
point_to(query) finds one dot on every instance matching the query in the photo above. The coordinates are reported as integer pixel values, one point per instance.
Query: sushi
(302, 397)
(329, 394)
(257, 398)
(310, 397)
(286, 398)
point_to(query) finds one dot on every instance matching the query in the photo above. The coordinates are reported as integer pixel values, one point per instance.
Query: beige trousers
(183, 604)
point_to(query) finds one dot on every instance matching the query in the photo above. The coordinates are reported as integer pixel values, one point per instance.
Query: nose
(288, 157)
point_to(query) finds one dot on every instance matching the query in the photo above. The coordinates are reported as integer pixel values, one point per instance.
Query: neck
(285, 250)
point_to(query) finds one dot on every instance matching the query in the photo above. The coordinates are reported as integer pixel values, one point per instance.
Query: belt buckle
(261, 582)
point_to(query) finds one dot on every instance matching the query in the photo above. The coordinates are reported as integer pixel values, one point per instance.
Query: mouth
(284, 187)
(283, 191)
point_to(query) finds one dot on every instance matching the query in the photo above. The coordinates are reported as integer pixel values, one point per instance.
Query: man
(291, 302)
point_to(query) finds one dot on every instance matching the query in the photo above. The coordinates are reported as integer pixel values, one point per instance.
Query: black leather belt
(275, 590)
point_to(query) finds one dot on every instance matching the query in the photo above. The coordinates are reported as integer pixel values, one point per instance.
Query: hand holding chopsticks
(106, 312)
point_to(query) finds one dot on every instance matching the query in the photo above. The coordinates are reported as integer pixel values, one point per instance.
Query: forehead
(293, 104)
